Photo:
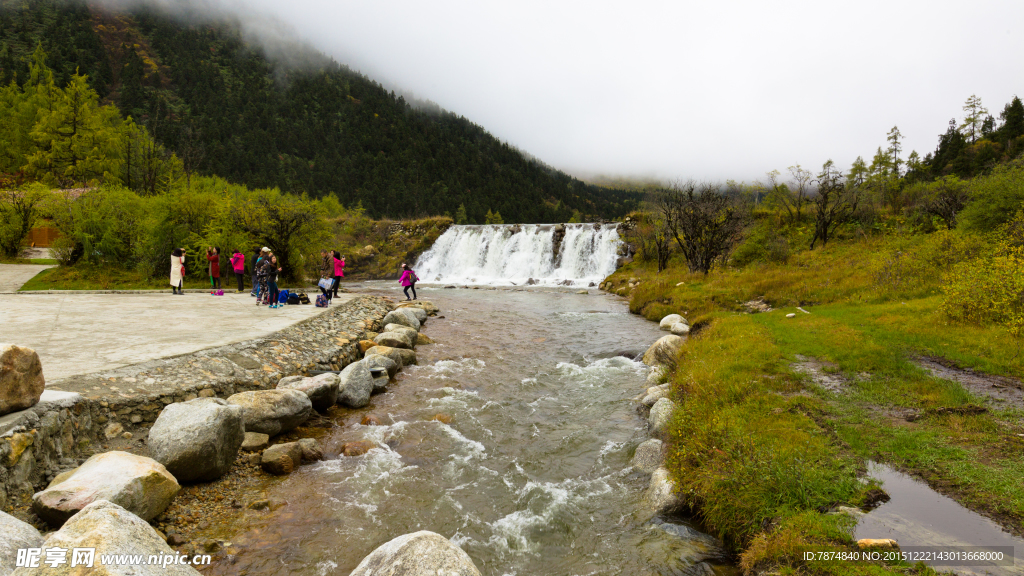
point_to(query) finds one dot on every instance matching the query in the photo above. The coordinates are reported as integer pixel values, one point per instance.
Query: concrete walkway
(14, 276)
(83, 333)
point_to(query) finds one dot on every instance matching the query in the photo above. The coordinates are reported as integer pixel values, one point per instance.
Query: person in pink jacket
(339, 270)
(408, 280)
(238, 265)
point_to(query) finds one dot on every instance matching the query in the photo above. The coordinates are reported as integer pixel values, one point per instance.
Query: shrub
(996, 198)
(764, 244)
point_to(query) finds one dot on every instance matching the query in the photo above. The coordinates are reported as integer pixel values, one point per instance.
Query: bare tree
(833, 204)
(704, 222)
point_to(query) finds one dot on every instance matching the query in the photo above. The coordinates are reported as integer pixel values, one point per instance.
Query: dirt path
(14, 276)
(998, 388)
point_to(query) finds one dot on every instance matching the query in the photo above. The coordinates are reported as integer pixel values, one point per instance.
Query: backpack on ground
(293, 298)
(321, 301)
(303, 299)
(282, 298)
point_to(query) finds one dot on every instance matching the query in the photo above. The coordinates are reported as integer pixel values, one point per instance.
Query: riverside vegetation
(805, 363)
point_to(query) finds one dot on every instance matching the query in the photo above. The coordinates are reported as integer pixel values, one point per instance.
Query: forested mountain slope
(226, 108)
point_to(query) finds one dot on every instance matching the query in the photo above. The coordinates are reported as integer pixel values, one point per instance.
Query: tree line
(225, 108)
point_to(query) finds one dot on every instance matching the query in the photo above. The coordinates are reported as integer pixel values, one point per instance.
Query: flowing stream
(530, 477)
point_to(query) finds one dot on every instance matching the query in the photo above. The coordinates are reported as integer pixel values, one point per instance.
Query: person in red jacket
(408, 280)
(238, 266)
(213, 256)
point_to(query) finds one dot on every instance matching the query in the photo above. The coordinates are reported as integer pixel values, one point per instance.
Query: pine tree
(460, 215)
(975, 116)
(895, 147)
(1013, 120)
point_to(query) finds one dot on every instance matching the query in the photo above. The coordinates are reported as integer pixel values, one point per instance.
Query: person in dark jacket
(252, 267)
(273, 271)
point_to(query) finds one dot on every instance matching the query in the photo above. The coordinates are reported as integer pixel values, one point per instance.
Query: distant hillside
(227, 109)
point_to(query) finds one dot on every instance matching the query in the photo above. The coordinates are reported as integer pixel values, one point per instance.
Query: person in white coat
(177, 271)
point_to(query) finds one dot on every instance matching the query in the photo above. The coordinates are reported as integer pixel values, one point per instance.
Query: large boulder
(14, 535)
(667, 322)
(403, 316)
(322, 390)
(656, 375)
(138, 484)
(198, 440)
(378, 361)
(394, 340)
(273, 411)
(21, 378)
(680, 329)
(403, 329)
(421, 553)
(402, 356)
(661, 496)
(664, 352)
(356, 385)
(109, 529)
(418, 312)
(660, 414)
(648, 456)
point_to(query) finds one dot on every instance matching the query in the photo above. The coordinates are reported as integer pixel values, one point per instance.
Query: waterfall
(503, 254)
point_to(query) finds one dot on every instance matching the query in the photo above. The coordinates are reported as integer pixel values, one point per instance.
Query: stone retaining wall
(82, 415)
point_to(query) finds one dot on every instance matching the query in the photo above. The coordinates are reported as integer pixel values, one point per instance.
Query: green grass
(760, 451)
(42, 261)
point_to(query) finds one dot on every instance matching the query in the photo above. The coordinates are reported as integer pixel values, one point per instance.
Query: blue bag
(282, 298)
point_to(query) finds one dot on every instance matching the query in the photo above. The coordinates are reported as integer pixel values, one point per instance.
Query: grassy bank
(777, 416)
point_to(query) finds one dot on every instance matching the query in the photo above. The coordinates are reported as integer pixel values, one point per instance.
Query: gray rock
(653, 394)
(664, 352)
(322, 390)
(403, 316)
(197, 440)
(656, 375)
(273, 411)
(402, 356)
(421, 553)
(378, 361)
(255, 441)
(394, 340)
(21, 378)
(667, 322)
(660, 414)
(426, 305)
(661, 497)
(418, 312)
(140, 485)
(648, 456)
(680, 329)
(403, 329)
(110, 529)
(283, 382)
(311, 451)
(356, 385)
(281, 459)
(15, 534)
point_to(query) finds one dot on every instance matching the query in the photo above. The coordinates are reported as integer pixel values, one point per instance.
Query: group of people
(265, 270)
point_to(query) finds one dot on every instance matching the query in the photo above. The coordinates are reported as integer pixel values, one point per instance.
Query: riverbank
(86, 414)
(800, 372)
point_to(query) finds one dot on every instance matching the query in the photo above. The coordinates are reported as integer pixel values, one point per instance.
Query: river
(530, 477)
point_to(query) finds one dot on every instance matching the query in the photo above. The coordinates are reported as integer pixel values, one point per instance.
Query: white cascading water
(503, 254)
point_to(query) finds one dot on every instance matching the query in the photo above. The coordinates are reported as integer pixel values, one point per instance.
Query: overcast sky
(685, 89)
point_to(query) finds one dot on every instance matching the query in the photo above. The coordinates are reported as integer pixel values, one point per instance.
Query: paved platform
(83, 333)
(14, 276)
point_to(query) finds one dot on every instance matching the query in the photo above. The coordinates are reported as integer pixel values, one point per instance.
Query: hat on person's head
(265, 249)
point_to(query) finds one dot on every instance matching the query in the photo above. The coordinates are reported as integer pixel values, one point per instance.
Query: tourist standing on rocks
(272, 271)
(213, 257)
(177, 271)
(263, 277)
(238, 265)
(326, 272)
(254, 267)
(408, 280)
(339, 270)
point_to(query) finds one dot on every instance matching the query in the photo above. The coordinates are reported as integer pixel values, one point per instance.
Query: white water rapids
(503, 254)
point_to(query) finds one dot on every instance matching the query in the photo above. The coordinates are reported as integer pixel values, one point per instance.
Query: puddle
(817, 371)
(916, 515)
(998, 388)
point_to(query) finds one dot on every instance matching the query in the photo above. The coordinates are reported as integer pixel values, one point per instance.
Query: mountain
(298, 120)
